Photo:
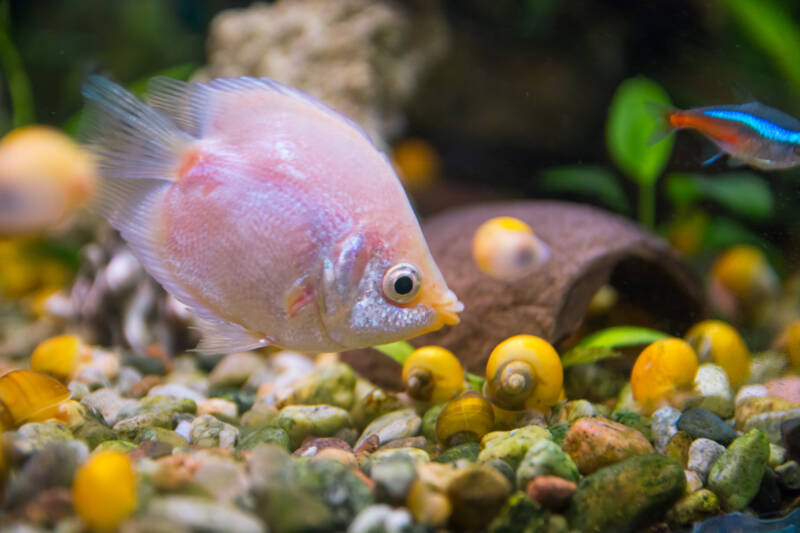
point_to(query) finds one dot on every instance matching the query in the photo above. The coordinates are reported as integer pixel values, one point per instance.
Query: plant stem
(647, 205)
(19, 86)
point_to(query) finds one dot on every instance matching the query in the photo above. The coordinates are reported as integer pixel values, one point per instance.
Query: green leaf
(743, 193)
(592, 181)
(772, 29)
(630, 126)
(581, 355)
(399, 351)
(475, 382)
(619, 336)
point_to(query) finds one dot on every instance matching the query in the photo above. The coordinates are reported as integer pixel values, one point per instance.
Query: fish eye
(401, 283)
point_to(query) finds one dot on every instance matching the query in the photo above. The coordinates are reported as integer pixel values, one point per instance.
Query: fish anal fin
(221, 337)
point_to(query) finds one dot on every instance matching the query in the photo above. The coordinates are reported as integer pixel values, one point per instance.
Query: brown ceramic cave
(590, 248)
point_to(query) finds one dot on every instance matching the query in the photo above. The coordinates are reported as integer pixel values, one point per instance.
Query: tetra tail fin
(661, 111)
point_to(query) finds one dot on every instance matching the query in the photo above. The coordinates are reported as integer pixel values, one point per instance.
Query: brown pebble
(369, 445)
(337, 454)
(597, 442)
(50, 506)
(551, 492)
(143, 386)
(320, 444)
(154, 449)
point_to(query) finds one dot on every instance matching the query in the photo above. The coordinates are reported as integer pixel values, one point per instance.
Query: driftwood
(590, 248)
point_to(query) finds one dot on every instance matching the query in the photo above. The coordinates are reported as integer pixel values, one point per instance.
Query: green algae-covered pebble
(332, 384)
(160, 404)
(121, 446)
(678, 447)
(266, 435)
(558, 432)
(736, 475)
(511, 446)
(162, 435)
(35, 436)
(546, 458)
(477, 493)
(93, 433)
(628, 495)
(518, 512)
(398, 424)
(429, 422)
(634, 420)
(692, 508)
(301, 421)
(468, 451)
(413, 455)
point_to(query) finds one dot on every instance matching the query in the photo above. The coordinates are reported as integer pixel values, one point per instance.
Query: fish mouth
(447, 309)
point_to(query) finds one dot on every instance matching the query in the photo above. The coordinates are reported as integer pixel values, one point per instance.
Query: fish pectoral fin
(225, 337)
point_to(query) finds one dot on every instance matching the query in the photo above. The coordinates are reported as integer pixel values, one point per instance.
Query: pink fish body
(273, 217)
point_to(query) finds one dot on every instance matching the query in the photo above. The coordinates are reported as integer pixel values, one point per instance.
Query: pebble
(767, 365)
(92, 432)
(712, 390)
(545, 458)
(787, 387)
(429, 422)
(175, 390)
(235, 369)
(627, 496)
(510, 446)
(703, 453)
(78, 390)
(223, 478)
(768, 498)
(760, 405)
(477, 493)
(704, 424)
(770, 423)
(789, 475)
(211, 432)
(162, 435)
(518, 510)
(184, 428)
(694, 507)
(331, 384)
(467, 451)
(568, 412)
(664, 426)
(551, 492)
(302, 421)
(596, 442)
(777, 455)
(36, 436)
(127, 378)
(790, 436)
(678, 447)
(736, 475)
(108, 403)
(217, 406)
(393, 478)
(395, 425)
(640, 423)
(693, 481)
(749, 391)
(267, 435)
(203, 514)
(414, 455)
(381, 518)
(50, 467)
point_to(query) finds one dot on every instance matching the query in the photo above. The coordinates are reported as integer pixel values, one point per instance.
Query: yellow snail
(716, 342)
(464, 419)
(433, 374)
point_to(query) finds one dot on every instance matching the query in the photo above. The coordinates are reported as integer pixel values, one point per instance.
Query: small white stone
(703, 453)
(183, 429)
(750, 391)
(693, 481)
(176, 390)
(665, 425)
(218, 406)
(777, 455)
(713, 390)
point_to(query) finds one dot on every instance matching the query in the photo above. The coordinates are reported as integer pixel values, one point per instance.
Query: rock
(787, 388)
(212, 433)
(678, 447)
(217, 406)
(693, 508)
(407, 442)
(381, 518)
(274, 380)
(121, 446)
(128, 428)
(558, 432)
(768, 498)
(36, 436)
(736, 475)
(551, 492)
(545, 458)
(664, 426)
(693, 481)
(223, 478)
(151, 449)
(462, 452)
(750, 407)
(343, 492)
(143, 386)
(703, 453)
(790, 436)
(372, 402)
(395, 425)
(126, 379)
(393, 479)
(332, 384)
(712, 391)
(640, 423)
(770, 423)
(178, 391)
(414, 455)
(595, 442)
(627, 496)
(184, 428)
(429, 420)
(789, 475)
(235, 369)
(587, 245)
(161, 435)
(703, 424)
(301, 421)
(477, 493)
(108, 403)
(52, 466)
(569, 412)
(202, 514)
(510, 446)
(749, 391)
(310, 447)
(777, 455)
(260, 415)
(520, 512)
(267, 435)
(92, 432)
(767, 365)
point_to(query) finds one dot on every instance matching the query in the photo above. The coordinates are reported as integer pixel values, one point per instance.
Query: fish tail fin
(661, 111)
(135, 146)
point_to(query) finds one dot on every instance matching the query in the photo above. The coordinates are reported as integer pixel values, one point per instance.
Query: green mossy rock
(519, 515)
(468, 451)
(628, 495)
(266, 435)
(511, 446)
(93, 433)
(545, 458)
(736, 475)
(301, 421)
(695, 507)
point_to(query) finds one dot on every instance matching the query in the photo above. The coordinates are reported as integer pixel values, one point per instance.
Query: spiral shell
(464, 419)
(506, 248)
(524, 372)
(28, 396)
(433, 374)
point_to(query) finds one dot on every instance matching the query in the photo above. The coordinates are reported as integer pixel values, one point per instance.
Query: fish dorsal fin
(190, 104)
(777, 117)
